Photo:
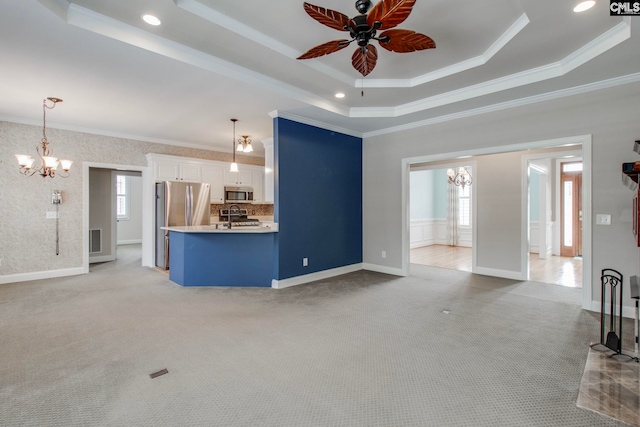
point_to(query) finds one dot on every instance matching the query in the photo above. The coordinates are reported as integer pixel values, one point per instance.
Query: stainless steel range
(237, 217)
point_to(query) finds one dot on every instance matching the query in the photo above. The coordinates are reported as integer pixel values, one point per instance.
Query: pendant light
(234, 165)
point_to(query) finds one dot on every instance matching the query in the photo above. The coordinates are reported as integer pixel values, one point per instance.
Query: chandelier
(48, 164)
(461, 177)
(244, 144)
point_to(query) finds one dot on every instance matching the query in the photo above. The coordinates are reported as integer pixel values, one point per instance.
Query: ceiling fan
(363, 28)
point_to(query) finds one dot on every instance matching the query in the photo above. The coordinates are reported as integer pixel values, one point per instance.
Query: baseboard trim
(312, 277)
(495, 272)
(130, 242)
(384, 269)
(627, 311)
(103, 258)
(39, 275)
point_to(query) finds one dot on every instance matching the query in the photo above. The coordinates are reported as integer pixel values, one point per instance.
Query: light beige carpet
(363, 349)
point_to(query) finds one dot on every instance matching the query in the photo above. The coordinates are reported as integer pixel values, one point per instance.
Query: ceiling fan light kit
(363, 28)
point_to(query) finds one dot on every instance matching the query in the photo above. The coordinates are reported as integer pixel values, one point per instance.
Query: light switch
(603, 219)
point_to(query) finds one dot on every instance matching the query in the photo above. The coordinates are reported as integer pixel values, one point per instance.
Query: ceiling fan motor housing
(362, 32)
(363, 6)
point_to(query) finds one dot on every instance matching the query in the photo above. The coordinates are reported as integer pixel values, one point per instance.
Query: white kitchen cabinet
(257, 182)
(214, 176)
(238, 178)
(166, 170)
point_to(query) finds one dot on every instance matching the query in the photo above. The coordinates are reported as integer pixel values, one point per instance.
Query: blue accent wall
(318, 198)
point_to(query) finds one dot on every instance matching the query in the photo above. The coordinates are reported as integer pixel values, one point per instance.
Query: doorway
(100, 240)
(580, 142)
(546, 263)
(115, 212)
(571, 209)
(441, 215)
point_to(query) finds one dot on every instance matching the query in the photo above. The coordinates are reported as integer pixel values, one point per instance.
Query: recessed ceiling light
(585, 5)
(340, 95)
(151, 20)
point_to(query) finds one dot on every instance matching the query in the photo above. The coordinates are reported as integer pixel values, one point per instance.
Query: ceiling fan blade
(365, 62)
(390, 13)
(325, 49)
(404, 41)
(328, 17)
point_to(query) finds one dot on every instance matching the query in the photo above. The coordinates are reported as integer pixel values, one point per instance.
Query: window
(572, 167)
(122, 197)
(464, 206)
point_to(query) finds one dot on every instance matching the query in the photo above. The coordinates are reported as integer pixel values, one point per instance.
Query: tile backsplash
(257, 210)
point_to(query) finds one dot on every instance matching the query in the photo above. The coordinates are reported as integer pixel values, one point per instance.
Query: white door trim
(584, 140)
(147, 238)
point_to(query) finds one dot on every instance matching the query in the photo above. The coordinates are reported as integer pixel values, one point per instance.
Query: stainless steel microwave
(238, 194)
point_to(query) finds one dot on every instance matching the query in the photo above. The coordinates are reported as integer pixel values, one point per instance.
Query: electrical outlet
(305, 262)
(52, 215)
(603, 219)
(384, 254)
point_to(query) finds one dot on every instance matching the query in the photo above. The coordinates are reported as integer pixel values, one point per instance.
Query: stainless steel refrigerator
(177, 204)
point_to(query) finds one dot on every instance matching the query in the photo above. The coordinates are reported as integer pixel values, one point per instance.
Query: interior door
(571, 209)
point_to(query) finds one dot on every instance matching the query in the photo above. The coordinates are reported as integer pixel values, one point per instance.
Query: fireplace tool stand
(611, 285)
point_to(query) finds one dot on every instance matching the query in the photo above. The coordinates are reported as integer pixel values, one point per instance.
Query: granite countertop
(264, 228)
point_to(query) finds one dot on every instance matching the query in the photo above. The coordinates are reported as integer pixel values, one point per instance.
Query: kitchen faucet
(237, 208)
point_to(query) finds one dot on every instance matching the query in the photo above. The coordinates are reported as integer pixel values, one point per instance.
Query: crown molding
(590, 87)
(215, 17)
(601, 44)
(206, 12)
(92, 21)
(95, 22)
(307, 121)
(459, 67)
(58, 7)
(120, 135)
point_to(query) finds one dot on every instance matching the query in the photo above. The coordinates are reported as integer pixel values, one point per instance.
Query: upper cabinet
(216, 174)
(165, 170)
(238, 178)
(257, 182)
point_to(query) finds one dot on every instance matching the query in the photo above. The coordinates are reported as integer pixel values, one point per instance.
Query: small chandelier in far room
(234, 165)
(461, 177)
(48, 164)
(244, 144)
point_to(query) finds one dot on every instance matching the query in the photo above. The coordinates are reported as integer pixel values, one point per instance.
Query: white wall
(610, 116)
(130, 230)
(499, 197)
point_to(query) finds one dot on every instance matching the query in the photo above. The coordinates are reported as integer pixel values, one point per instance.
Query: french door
(571, 209)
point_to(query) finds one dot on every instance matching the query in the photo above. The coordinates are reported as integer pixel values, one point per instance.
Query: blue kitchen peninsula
(208, 256)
